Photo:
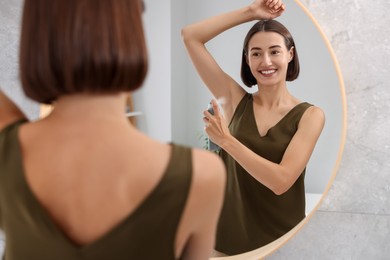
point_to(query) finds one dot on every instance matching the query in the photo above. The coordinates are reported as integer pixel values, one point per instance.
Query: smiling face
(268, 58)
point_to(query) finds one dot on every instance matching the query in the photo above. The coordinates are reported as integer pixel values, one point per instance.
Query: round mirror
(320, 83)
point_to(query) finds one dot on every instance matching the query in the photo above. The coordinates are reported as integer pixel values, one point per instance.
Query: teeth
(267, 71)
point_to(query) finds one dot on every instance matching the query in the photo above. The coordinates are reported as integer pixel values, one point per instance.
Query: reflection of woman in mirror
(83, 183)
(271, 133)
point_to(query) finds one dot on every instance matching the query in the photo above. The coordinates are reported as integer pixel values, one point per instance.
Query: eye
(275, 52)
(256, 54)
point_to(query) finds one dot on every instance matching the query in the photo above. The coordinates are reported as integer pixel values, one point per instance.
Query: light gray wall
(180, 97)
(154, 98)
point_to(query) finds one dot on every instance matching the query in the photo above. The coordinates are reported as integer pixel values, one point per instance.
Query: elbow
(279, 191)
(189, 36)
(284, 180)
(281, 188)
(185, 34)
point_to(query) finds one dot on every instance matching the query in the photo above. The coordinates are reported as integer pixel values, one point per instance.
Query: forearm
(272, 175)
(205, 30)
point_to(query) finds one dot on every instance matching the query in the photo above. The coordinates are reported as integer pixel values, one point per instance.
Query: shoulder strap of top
(178, 181)
(241, 107)
(8, 142)
(11, 127)
(9, 152)
(179, 172)
(154, 225)
(179, 169)
(159, 218)
(298, 112)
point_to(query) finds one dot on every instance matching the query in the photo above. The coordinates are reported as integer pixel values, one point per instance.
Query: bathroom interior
(347, 185)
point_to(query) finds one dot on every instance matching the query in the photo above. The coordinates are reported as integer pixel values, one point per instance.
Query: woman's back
(93, 176)
(77, 164)
(71, 180)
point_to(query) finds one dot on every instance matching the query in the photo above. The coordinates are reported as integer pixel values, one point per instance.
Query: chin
(268, 83)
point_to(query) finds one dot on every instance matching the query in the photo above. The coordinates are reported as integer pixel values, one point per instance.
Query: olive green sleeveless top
(147, 233)
(252, 215)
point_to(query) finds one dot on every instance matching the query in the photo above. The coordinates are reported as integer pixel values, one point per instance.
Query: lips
(268, 72)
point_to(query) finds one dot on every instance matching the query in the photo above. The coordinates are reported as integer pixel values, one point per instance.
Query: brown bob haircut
(269, 26)
(81, 46)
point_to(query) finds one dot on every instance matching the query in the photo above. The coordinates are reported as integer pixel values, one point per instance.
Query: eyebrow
(271, 47)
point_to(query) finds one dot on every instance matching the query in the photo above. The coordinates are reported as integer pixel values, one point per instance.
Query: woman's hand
(215, 125)
(267, 9)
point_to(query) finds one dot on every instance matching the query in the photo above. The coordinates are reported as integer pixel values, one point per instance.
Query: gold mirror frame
(270, 248)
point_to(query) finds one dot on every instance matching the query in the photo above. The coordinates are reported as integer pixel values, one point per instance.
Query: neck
(272, 96)
(87, 107)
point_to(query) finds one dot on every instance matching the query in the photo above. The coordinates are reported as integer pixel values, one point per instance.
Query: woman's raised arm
(196, 35)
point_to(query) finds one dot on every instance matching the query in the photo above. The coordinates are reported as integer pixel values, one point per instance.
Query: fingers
(207, 115)
(271, 3)
(279, 6)
(216, 119)
(216, 111)
(215, 107)
(274, 4)
(206, 118)
(208, 122)
(278, 12)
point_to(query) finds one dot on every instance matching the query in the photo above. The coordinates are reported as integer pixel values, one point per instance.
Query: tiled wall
(354, 221)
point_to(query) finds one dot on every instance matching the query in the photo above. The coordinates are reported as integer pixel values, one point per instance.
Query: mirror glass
(319, 83)
(175, 88)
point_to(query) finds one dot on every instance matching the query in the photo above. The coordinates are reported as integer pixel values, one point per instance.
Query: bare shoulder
(208, 182)
(9, 112)
(315, 111)
(9, 119)
(207, 189)
(204, 201)
(313, 118)
(208, 170)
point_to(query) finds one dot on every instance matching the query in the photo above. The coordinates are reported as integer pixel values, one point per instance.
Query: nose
(266, 61)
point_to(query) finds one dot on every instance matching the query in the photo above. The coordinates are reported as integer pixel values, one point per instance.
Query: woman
(83, 183)
(271, 133)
